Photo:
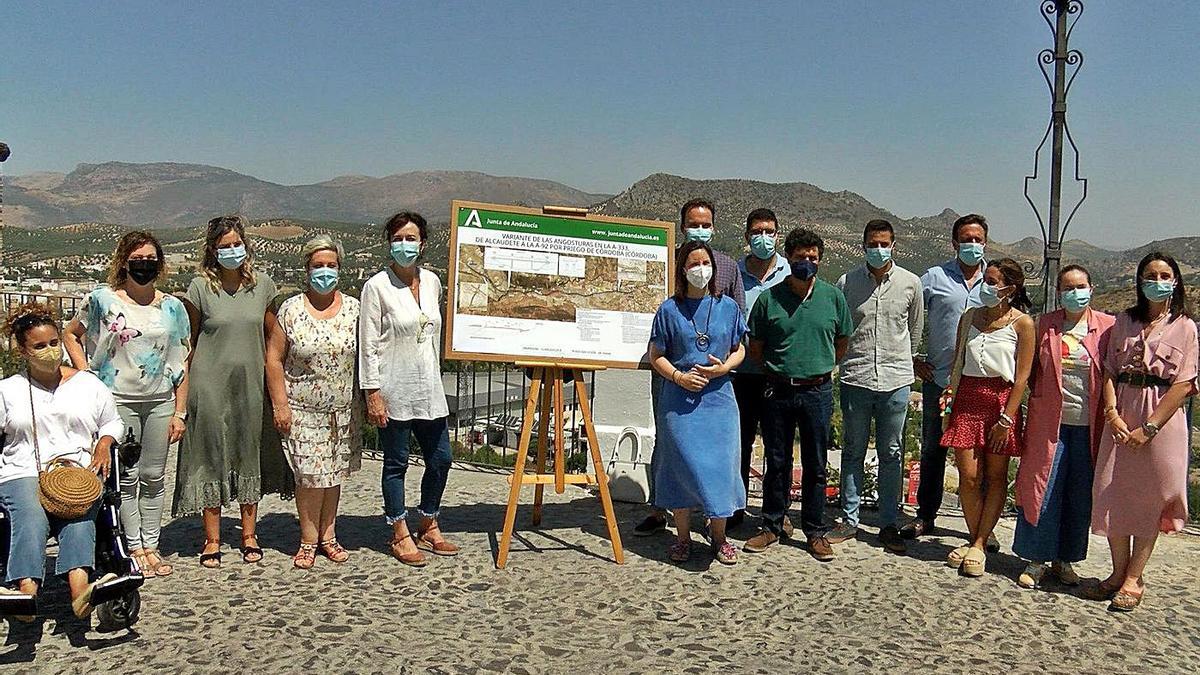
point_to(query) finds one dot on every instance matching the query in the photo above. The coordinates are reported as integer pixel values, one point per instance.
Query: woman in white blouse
(76, 418)
(399, 365)
(991, 372)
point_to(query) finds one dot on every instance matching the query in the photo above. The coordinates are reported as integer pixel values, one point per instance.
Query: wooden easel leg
(514, 492)
(543, 434)
(614, 535)
(560, 463)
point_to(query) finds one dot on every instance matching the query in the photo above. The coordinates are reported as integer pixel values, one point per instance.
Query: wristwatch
(180, 414)
(1151, 429)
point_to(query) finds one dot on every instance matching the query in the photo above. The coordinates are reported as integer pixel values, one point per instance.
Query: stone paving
(563, 606)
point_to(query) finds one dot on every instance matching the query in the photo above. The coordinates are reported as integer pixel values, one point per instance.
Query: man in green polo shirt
(799, 331)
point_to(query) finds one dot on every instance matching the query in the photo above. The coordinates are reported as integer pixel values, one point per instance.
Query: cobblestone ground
(563, 606)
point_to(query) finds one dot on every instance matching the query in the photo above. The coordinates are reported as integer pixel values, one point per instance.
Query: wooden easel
(546, 390)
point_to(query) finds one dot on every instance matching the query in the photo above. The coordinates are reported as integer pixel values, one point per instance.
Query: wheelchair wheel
(121, 612)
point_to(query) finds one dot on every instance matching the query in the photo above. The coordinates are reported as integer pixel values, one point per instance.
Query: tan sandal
(142, 558)
(333, 550)
(974, 563)
(435, 545)
(306, 557)
(955, 559)
(156, 564)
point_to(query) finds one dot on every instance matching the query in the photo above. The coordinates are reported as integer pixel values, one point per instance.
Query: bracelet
(1005, 424)
(1006, 420)
(674, 374)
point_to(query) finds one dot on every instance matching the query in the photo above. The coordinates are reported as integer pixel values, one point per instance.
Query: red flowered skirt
(977, 408)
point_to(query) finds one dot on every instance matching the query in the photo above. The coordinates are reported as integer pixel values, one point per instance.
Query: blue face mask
(878, 257)
(1158, 291)
(804, 269)
(970, 253)
(405, 252)
(698, 233)
(323, 279)
(762, 245)
(989, 294)
(231, 258)
(1076, 299)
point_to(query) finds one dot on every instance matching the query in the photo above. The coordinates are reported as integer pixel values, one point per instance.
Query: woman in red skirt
(991, 371)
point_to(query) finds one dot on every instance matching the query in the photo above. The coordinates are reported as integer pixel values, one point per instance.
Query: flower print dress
(324, 445)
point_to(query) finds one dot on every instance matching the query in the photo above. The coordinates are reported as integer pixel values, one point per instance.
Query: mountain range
(173, 195)
(169, 195)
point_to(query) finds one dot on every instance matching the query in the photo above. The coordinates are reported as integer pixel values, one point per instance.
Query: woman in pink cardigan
(1062, 433)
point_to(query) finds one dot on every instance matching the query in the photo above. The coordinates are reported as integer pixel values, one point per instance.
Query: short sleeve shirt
(799, 335)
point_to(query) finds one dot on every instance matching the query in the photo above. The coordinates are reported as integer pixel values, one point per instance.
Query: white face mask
(699, 276)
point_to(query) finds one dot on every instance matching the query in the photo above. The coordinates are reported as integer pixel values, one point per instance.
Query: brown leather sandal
(333, 550)
(437, 546)
(306, 557)
(1102, 591)
(1124, 601)
(416, 559)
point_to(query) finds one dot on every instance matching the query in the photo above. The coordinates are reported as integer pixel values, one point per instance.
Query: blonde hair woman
(140, 339)
(219, 460)
(311, 377)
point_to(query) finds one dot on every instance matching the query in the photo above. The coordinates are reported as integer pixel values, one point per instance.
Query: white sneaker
(1065, 573)
(1032, 576)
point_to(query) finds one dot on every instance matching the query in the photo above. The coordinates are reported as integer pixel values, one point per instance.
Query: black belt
(798, 381)
(1143, 380)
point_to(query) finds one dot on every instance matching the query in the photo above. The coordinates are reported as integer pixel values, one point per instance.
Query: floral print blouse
(139, 351)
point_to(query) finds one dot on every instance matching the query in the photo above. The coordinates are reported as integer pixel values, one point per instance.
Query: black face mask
(143, 271)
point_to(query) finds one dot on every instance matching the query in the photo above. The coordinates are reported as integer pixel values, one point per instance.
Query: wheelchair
(117, 601)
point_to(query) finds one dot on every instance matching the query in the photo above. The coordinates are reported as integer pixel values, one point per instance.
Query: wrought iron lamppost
(1061, 16)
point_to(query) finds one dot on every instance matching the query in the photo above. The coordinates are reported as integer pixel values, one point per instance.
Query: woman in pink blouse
(1140, 488)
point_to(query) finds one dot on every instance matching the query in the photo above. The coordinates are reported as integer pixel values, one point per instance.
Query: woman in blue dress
(695, 341)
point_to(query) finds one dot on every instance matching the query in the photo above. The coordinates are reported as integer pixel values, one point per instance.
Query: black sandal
(251, 551)
(213, 558)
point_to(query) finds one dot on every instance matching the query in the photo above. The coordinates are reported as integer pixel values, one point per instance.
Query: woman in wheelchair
(50, 412)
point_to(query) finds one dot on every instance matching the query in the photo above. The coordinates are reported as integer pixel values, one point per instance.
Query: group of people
(267, 398)
(755, 344)
(261, 399)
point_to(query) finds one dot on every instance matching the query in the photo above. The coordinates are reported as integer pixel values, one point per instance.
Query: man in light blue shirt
(761, 269)
(949, 289)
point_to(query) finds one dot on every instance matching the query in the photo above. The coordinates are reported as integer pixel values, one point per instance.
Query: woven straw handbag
(66, 488)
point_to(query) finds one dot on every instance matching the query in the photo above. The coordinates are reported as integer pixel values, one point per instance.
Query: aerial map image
(522, 284)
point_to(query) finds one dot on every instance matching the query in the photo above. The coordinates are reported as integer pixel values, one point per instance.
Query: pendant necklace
(702, 340)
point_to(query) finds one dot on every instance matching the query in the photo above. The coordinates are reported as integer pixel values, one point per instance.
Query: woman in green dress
(220, 458)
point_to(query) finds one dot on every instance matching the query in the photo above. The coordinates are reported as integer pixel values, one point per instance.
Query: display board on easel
(560, 292)
(556, 285)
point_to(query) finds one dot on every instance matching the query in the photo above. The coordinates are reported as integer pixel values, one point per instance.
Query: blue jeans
(809, 408)
(30, 526)
(748, 388)
(434, 438)
(1062, 529)
(933, 454)
(888, 409)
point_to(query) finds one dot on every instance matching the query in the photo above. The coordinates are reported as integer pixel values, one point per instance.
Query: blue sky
(915, 105)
